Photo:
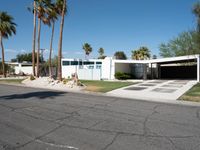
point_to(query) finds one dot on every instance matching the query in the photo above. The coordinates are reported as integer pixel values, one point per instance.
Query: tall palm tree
(196, 11)
(87, 48)
(52, 17)
(42, 7)
(7, 28)
(34, 37)
(63, 4)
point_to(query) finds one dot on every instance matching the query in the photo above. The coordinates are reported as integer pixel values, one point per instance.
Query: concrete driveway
(155, 90)
(35, 119)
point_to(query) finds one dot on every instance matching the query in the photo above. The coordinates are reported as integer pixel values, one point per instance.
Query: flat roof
(178, 59)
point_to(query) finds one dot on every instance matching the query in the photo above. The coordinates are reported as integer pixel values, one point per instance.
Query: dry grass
(193, 94)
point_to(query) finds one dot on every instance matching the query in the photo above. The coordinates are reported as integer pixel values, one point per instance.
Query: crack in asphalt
(145, 129)
(198, 114)
(113, 140)
(39, 137)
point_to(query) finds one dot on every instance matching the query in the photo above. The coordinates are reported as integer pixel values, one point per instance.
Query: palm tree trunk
(38, 50)
(50, 53)
(60, 42)
(3, 61)
(34, 38)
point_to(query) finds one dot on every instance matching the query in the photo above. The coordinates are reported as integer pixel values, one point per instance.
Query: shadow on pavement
(40, 95)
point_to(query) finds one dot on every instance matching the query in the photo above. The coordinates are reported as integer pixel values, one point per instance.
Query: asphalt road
(35, 119)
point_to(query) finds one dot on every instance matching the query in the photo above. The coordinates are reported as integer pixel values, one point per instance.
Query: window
(74, 63)
(98, 62)
(98, 66)
(65, 63)
(88, 63)
(90, 67)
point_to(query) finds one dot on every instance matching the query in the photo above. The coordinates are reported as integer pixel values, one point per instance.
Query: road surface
(36, 119)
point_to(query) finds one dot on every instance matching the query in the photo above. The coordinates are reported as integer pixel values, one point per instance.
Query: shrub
(122, 76)
(32, 77)
(65, 81)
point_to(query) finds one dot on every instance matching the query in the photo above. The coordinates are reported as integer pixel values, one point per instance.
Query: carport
(183, 67)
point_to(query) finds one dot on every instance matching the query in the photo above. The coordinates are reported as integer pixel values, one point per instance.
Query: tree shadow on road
(39, 95)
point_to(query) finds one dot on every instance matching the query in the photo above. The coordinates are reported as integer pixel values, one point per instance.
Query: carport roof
(179, 59)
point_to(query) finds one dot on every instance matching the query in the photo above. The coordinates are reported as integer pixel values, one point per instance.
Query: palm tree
(101, 53)
(42, 7)
(63, 4)
(196, 11)
(145, 53)
(52, 17)
(34, 37)
(141, 54)
(7, 28)
(87, 48)
(136, 55)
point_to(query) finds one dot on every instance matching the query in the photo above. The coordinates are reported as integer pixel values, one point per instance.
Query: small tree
(27, 57)
(187, 43)
(87, 48)
(120, 55)
(154, 57)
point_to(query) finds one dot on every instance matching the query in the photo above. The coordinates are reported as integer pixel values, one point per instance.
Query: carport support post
(144, 71)
(198, 68)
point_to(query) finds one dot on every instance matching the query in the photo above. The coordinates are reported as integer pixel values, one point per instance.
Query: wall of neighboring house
(22, 68)
(25, 69)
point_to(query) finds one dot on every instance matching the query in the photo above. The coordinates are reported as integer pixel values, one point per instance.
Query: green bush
(122, 76)
(32, 77)
(65, 81)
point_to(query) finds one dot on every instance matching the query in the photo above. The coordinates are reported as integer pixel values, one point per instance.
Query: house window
(74, 63)
(98, 62)
(91, 67)
(88, 63)
(65, 63)
(98, 66)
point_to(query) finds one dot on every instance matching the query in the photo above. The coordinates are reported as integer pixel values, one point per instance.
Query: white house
(23, 67)
(184, 67)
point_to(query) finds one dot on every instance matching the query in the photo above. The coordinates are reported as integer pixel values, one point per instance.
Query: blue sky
(112, 24)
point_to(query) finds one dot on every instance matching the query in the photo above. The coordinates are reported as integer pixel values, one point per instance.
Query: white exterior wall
(107, 68)
(83, 71)
(25, 69)
(89, 74)
(112, 77)
(67, 71)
